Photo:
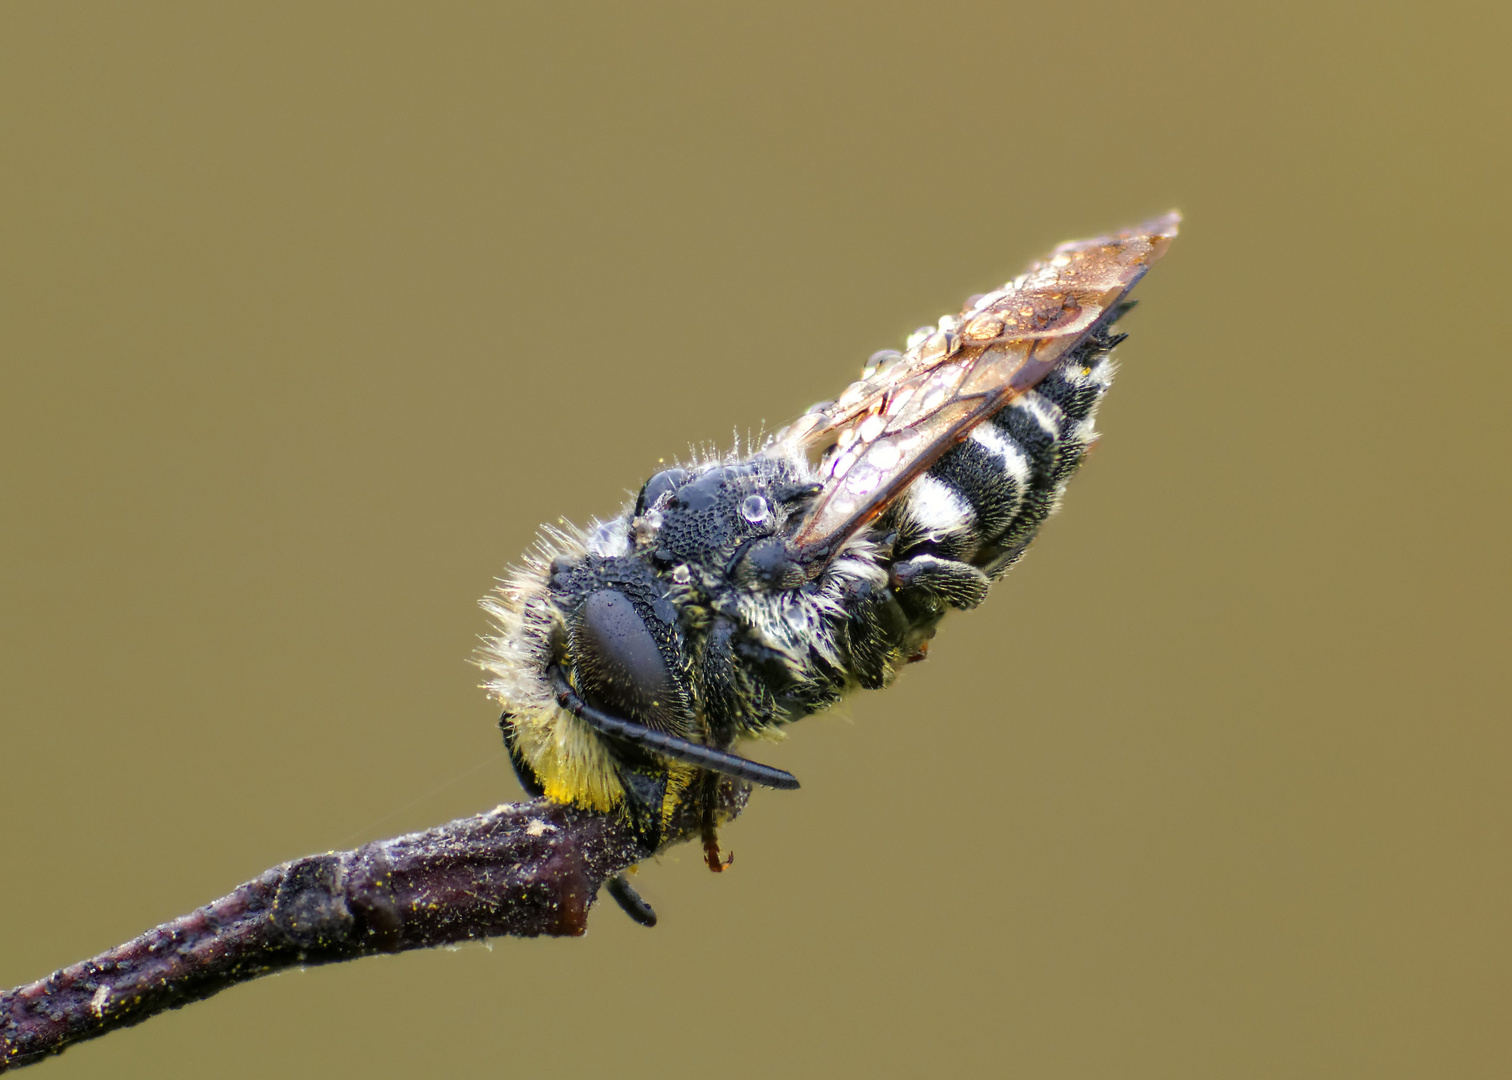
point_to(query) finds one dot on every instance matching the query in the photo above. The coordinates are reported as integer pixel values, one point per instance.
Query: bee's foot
(711, 856)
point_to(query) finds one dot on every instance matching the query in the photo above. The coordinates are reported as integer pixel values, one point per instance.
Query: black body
(692, 620)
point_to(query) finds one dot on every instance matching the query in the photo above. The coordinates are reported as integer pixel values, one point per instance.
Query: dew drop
(863, 479)
(852, 395)
(755, 510)
(983, 328)
(934, 347)
(880, 361)
(884, 454)
(899, 401)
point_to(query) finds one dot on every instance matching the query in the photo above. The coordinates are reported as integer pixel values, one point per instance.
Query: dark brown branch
(524, 869)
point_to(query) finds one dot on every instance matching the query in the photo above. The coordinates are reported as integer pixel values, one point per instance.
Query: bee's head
(621, 621)
(621, 641)
(733, 522)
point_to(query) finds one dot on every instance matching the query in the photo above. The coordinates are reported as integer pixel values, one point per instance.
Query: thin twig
(523, 870)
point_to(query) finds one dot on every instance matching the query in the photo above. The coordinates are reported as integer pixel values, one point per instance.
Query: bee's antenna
(668, 746)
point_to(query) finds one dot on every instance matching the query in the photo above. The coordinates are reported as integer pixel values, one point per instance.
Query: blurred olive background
(312, 312)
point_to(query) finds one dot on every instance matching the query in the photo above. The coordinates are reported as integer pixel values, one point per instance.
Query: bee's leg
(878, 628)
(630, 901)
(645, 792)
(959, 584)
(710, 799)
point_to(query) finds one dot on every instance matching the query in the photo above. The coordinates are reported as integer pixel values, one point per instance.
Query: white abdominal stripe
(985, 499)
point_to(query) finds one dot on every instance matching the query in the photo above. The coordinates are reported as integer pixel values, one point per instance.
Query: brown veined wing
(882, 432)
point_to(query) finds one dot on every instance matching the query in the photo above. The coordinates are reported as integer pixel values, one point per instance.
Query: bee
(738, 594)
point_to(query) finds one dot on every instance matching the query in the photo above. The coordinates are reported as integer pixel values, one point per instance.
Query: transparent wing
(903, 415)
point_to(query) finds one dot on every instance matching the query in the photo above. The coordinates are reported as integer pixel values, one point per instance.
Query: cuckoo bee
(738, 594)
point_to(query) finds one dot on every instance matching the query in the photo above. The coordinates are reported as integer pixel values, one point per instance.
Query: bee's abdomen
(986, 498)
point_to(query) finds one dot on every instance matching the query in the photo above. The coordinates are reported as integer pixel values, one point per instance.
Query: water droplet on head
(755, 510)
(645, 527)
(681, 574)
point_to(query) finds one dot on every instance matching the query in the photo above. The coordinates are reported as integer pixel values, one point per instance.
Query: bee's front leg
(710, 798)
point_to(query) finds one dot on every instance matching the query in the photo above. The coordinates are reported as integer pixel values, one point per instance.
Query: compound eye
(663, 482)
(618, 664)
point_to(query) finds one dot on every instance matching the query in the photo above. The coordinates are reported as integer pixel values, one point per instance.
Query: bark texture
(521, 870)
